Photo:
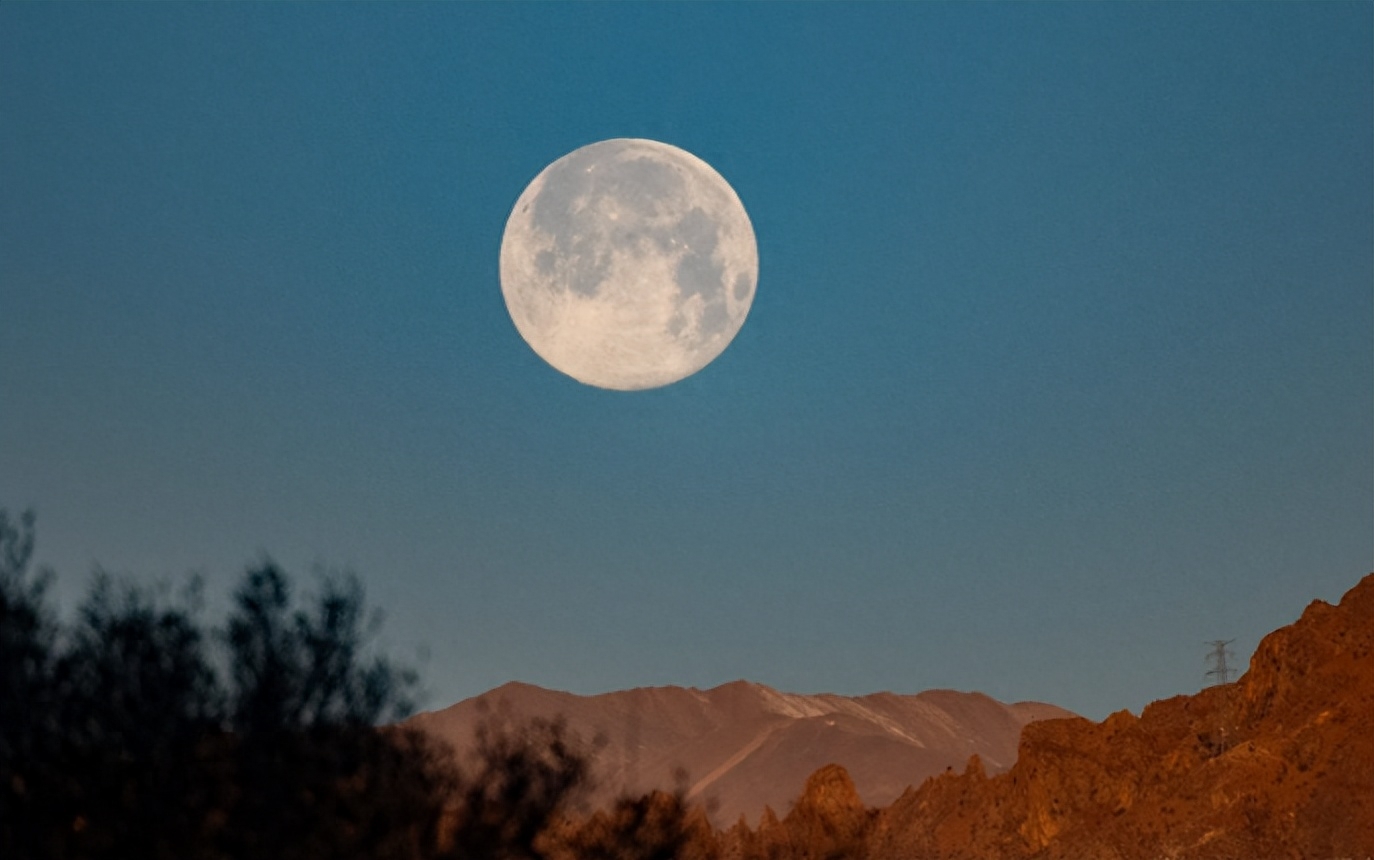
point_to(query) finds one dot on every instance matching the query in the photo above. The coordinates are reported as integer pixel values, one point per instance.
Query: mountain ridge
(746, 746)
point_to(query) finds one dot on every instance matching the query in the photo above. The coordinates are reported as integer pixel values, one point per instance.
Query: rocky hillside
(1279, 764)
(746, 747)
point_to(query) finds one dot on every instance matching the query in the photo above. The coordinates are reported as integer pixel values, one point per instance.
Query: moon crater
(628, 264)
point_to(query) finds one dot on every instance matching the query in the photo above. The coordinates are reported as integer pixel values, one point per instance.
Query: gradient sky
(1061, 362)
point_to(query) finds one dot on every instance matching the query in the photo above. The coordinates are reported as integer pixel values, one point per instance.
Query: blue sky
(1061, 361)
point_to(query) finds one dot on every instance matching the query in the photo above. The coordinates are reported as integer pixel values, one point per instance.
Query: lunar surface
(628, 264)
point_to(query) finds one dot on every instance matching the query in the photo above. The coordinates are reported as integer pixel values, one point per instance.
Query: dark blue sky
(1061, 362)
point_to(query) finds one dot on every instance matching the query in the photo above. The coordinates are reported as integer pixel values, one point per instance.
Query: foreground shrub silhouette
(134, 731)
(28, 730)
(118, 737)
(313, 777)
(521, 780)
(657, 826)
(135, 704)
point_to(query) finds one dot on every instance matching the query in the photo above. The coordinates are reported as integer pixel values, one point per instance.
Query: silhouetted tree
(313, 775)
(656, 826)
(520, 779)
(140, 711)
(297, 669)
(28, 731)
(118, 738)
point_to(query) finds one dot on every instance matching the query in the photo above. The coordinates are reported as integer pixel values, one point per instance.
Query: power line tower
(1220, 672)
(1220, 676)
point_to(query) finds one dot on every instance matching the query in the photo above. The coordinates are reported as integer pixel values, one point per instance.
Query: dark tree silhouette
(139, 710)
(313, 775)
(118, 738)
(520, 780)
(656, 826)
(28, 731)
(300, 669)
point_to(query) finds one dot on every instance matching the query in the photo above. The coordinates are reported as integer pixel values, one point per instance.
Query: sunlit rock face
(1275, 765)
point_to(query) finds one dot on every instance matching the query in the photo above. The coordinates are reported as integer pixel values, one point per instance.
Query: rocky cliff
(1279, 764)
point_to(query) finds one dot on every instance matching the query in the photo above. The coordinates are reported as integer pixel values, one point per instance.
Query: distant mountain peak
(746, 745)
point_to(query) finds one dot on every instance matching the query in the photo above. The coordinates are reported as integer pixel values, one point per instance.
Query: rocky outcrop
(1279, 764)
(1276, 765)
(829, 819)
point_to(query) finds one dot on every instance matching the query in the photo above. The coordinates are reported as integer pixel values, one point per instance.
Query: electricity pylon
(1220, 675)
(1220, 672)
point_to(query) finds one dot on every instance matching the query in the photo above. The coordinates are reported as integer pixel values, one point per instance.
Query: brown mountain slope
(1279, 764)
(746, 746)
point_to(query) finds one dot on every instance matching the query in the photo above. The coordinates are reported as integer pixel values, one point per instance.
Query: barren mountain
(745, 746)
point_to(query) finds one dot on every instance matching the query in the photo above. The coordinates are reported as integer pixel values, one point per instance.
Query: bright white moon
(628, 264)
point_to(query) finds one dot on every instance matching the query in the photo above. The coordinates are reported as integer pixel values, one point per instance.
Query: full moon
(628, 264)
